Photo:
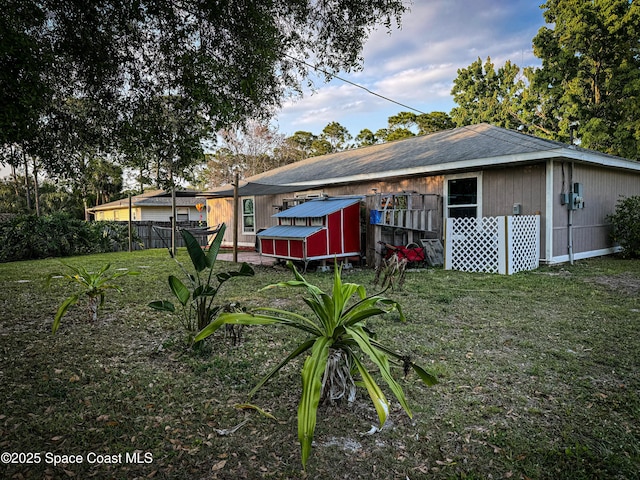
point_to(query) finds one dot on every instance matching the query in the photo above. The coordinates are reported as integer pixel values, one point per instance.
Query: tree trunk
(14, 173)
(27, 184)
(337, 382)
(36, 187)
(93, 308)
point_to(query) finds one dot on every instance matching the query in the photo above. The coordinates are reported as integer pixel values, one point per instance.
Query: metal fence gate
(503, 245)
(158, 234)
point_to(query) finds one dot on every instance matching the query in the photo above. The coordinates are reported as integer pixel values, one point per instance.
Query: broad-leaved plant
(197, 309)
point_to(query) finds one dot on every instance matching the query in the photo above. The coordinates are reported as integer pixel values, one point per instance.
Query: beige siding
(118, 214)
(602, 189)
(220, 210)
(502, 188)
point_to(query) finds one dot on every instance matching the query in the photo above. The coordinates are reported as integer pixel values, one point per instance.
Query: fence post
(503, 245)
(511, 253)
(448, 243)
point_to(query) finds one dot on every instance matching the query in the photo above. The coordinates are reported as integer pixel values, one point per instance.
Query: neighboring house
(154, 206)
(414, 185)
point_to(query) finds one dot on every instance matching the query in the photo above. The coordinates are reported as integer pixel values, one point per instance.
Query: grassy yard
(539, 379)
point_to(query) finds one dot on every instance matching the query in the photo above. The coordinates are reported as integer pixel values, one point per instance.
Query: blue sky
(417, 64)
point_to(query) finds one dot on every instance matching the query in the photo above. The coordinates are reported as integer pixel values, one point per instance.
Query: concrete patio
(250, 257)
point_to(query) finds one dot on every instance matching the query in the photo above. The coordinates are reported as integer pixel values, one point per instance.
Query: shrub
(29, 237)
(626, 226)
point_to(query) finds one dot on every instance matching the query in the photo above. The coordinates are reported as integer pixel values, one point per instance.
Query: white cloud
(417, 64)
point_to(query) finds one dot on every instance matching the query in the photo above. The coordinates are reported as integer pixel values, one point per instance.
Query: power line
(354, 84)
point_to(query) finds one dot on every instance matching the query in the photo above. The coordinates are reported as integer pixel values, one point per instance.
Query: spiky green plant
(337, 324)
(93, 285)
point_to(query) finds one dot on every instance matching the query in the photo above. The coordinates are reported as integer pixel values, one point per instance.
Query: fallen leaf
(219, 466)
(74, 378)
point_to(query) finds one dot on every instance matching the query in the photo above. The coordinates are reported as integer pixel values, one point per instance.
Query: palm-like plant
(93, 285)
(337, 325)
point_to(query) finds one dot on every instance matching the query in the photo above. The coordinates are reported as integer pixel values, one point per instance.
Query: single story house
(414, 185)
(154, 206)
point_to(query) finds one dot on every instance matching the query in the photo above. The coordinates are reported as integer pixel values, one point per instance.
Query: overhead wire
(333, 75)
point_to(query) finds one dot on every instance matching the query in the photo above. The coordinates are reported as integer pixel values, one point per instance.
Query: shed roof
(318, 208)
(289, 231)
(469, 147)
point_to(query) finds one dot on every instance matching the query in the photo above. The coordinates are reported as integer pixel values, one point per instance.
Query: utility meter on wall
(576, 199)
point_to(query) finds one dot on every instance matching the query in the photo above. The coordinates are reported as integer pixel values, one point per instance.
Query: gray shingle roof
(155, 198)
(456, 145)
(471, 147)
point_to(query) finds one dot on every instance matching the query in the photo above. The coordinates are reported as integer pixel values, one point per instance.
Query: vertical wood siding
(220, 209)
(504, 187)
(602, 189)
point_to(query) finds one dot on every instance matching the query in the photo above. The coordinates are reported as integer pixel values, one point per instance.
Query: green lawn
(539, 378)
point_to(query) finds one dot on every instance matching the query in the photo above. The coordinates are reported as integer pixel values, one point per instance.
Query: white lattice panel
(493, 244)
(473, 244)
(524, 243)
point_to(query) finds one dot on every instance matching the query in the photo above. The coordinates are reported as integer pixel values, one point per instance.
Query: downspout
(570, 226)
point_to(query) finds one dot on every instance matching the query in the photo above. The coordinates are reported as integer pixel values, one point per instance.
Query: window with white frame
(182, 215)
(463, 196)
(248, 216)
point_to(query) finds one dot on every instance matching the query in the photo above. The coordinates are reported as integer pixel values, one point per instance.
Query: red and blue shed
(315, 230)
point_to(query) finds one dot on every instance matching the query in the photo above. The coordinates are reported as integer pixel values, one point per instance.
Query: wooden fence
(158, 234)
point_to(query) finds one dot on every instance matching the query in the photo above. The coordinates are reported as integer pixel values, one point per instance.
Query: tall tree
(366, 137)
(337, 136)
(433, 122)
(303, 141)
(484, 94)
(250, 149)
(230, 60)
(590, 72)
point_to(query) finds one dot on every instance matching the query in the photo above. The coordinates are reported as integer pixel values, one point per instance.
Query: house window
(463, 195)
(316, 221)
(182, 215)
(248, 216)
(300, 222)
